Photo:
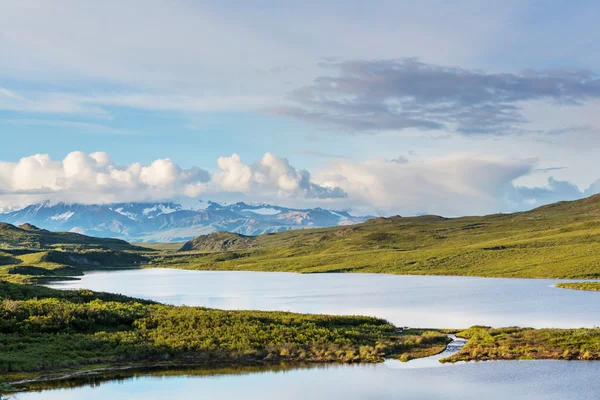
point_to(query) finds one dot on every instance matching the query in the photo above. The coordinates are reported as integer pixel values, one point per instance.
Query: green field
(31, 237)
(160, 246)
(29, 254)
(561, 240)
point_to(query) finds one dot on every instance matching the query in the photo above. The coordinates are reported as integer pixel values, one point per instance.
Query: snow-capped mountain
(154, 222)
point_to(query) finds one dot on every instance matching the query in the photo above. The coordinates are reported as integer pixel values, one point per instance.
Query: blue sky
(385, 107)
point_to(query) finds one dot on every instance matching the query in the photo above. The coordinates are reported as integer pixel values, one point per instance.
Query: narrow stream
(432, 361)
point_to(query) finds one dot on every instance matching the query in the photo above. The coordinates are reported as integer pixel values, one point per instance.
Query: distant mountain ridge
(168, 221)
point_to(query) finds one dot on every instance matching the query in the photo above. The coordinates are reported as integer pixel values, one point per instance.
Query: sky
(381, 107)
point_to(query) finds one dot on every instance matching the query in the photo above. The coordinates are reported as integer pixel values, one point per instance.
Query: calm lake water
(545, 380)
(416, 301)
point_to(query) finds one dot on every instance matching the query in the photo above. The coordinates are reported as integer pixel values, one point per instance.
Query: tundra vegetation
(45, 331)
(560, 240)
(591, 286)
(485, 343)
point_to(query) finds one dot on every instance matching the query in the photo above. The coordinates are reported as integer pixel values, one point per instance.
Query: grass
(31, 266)
(528, 344)
(591, 286)
(561, 240)
(30, 237)
(166, 246)
(44, 331)
(29, 254)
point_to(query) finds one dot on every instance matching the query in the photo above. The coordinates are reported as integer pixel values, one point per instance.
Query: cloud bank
(95, 178)
(461, 184)
(370, 96)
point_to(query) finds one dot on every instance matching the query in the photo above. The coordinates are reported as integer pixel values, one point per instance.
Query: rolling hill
(28, 253)
(560, 240)
(31, 237)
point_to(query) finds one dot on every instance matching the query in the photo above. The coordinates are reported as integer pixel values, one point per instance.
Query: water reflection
(490, 380)
(417, 301)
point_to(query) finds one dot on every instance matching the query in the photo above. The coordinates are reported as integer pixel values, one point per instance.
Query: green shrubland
(43, 331)
(528, 344)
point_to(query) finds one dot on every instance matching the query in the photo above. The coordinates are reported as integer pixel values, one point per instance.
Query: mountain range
(168, 221)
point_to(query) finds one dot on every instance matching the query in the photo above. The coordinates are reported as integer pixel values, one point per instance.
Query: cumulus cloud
(367, 96)
(270, 175)
(462, 184)
(95, 178)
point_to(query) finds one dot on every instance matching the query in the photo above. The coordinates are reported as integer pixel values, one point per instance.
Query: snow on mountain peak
(263, 211)
(142, 221)
(62, 217)
(161, 208)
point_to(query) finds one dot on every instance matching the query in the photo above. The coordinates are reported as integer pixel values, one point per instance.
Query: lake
(416, 301)
(543, 380)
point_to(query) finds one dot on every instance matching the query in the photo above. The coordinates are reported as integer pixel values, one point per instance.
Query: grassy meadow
(561, 240)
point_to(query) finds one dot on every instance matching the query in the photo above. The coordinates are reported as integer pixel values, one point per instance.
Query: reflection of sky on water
(536, 380)
(418, 301)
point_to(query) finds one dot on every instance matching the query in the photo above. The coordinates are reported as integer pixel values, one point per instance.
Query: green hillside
(30, 254)
(560, 240)
(31, 237)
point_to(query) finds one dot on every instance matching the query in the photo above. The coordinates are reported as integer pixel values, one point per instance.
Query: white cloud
(271, 175)
(463, 184)
(206, 43)
(95, 178)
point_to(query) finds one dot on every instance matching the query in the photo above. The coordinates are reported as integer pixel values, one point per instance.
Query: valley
(98, 331)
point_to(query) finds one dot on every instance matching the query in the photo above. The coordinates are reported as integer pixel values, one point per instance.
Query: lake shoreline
(54, 380)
